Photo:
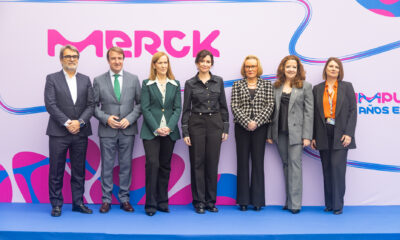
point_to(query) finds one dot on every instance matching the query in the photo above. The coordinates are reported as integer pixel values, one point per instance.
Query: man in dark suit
(117, 97)
(68, 97)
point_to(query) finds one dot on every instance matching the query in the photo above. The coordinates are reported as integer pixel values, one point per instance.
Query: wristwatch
(81, 123)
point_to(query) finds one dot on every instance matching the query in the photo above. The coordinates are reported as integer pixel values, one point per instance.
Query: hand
(124, 123)
(252, 125)
(74, 127)
(111, 121)
(161, 132)
(270, 141)
(306, 142)
(166, 130)
(224, 137)
(346, 140)
(314, 144)
(187, 141)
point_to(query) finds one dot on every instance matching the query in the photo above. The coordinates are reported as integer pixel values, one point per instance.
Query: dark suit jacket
(262, 105)
(107, 104)
(153, 109)
(59, 104)
(345, 116)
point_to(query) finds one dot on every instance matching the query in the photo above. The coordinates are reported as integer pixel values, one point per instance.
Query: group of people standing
(289, 113)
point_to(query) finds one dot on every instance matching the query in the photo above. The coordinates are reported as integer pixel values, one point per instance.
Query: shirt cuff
(67, 122)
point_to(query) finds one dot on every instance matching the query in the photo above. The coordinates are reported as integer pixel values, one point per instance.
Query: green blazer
(153, 108)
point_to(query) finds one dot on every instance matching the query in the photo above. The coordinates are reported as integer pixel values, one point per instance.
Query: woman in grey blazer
(335, 118)
(291, 127)
(252, 106)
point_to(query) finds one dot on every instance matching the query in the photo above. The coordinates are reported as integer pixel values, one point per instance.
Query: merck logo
(109, 38)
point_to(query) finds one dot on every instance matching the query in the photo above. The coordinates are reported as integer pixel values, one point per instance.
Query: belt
(200, 114)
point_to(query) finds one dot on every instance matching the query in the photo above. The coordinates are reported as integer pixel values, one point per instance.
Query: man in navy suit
(69, 100)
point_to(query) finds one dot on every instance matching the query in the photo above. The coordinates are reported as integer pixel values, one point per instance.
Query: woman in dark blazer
(335, 118)
(161, 108)
(252, 105)
(291, 127)
(205, 124)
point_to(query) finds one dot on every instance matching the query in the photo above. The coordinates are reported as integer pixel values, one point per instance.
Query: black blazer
(345, 116)
(59, 104)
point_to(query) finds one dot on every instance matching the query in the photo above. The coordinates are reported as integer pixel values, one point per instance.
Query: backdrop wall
(363, 33)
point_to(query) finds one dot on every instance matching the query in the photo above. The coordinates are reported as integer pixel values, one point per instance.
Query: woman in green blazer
(161, 108)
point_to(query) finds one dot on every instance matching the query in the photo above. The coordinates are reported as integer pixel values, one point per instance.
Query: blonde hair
(259, 67)
(153, 71)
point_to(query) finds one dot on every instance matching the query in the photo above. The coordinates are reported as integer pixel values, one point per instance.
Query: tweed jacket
(262, 105)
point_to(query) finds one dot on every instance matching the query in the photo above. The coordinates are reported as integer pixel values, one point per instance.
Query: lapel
(156, 92)
(278, 95)
(293, 97)
(80, 87)
(124, 85)
(170, 91)
(339, 97)
(320, 100)
(64, 83)
(246, 90)
(107, 79)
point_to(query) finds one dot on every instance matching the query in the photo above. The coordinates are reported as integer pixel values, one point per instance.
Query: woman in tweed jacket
(252, 106)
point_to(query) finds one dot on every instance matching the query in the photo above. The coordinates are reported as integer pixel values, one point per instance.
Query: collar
(335, 86)
(212, 78)
(67, 76)
(113, 73)
(150, 82)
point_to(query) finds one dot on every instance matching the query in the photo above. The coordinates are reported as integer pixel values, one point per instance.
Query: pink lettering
(95, 39)
(395, 98)
(168, 36)
(386, 97)
(151, 48)
(206, 43)
(125, 43)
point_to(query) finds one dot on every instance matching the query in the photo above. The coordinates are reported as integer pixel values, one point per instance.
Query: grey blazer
(107, 103)
(300, 116)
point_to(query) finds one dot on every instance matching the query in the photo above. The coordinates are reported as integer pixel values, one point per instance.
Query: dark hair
(117, 50)
(298, 79)
(341, 71)
(202, 54)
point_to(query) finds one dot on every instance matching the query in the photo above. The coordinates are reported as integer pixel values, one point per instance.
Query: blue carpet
(33, 221)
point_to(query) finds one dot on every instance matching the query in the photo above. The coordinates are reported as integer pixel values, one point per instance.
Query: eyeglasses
(251, 67)
(73, 57)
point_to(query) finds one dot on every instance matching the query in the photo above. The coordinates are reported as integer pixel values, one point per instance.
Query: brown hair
(298, 79)
(153, 71)
(70, 47)
(202, 54)
(117, 50)
(259, 67)
(341, 71)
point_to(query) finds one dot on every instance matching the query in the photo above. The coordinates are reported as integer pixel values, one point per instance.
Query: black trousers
(334, 170)
(158, 167)
(205, 133)
(58, 147)
(250, 144)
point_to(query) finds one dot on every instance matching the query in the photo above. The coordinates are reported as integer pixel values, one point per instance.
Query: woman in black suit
(205, 124)
(252, 106)
(335, 118)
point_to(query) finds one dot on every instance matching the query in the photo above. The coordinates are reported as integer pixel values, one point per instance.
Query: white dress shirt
(73, 89)
(120, 79)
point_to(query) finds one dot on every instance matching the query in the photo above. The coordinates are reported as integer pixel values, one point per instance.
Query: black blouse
(283, 113)
(204, 98)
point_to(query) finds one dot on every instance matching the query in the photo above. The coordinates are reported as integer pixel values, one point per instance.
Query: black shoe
(82, 209)
(243, 208)
(199, 210)
(163, 209)
(327, 209)
(285, 208)
(338, 212)
(56, 211)
(257, 209)
(150, 213)
(212, 209)
(295, 211)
